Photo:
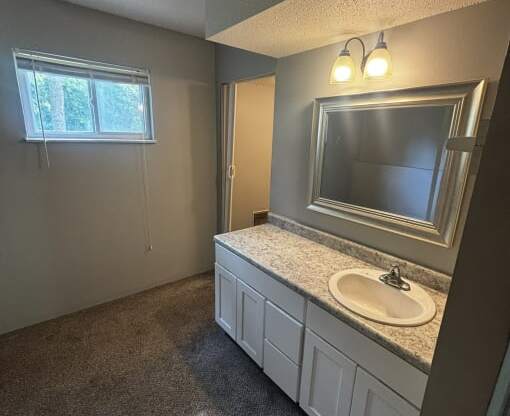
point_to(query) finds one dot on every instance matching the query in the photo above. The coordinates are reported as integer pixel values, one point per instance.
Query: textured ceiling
(298, 25)
(186, 16)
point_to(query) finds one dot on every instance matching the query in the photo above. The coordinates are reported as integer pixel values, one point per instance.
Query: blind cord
(146, 194)
(145, 168)
(40, 116)
(148, 232)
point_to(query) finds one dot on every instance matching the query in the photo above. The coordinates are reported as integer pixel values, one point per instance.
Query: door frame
(228, 96)
(227, 121)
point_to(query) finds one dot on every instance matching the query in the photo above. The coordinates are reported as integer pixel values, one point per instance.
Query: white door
(250, 321)
(373, 398)
(225, 300)
(327, 379)
(227, 116)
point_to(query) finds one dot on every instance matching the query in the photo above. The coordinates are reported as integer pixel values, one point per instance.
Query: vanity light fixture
(376, 65)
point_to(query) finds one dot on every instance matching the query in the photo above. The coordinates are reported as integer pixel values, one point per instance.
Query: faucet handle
(393, 278)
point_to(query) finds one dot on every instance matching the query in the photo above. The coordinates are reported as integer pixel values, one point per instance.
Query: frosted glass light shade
(343, 70)
(378, 65)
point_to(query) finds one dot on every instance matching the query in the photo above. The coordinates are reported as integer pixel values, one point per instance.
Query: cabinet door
(373, 398)
(327, 379)
(225, 300)
(250, 321)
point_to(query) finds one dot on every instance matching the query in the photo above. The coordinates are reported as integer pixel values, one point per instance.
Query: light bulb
(343, 73)
(343, 69)
(378, 65)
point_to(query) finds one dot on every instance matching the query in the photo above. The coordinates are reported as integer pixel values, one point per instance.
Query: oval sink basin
(361, 291)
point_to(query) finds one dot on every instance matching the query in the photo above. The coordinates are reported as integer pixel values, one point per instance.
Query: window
(75, 100)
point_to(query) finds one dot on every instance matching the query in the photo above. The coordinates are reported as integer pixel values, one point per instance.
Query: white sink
(361, 291)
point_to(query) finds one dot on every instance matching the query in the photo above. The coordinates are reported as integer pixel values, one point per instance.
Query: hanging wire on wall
(40, 115)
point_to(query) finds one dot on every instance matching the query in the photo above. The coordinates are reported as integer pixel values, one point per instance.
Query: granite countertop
(306, 267)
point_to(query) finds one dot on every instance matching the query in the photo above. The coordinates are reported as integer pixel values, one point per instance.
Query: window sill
(85, 140)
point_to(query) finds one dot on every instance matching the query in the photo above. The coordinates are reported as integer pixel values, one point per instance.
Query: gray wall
(233, 64)
(221, 14)
(462, 45)
(72, 235)
(475, 329)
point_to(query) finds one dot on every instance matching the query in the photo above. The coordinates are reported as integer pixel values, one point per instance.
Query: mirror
(396, 160)
(387, 159)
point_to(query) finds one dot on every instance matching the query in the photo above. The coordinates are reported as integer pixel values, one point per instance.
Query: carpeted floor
(155, 353)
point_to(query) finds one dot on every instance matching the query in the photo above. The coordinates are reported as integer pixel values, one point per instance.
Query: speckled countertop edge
(274, 250)
(423, 275)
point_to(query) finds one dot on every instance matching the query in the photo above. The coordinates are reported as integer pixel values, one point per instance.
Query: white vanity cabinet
(263, 316)
(373, 398)
(391, 370)
(327, 379)
(334, 385)
(327, 366)
(283, 341)
(284, 332)
(225, 295)
(250, 321)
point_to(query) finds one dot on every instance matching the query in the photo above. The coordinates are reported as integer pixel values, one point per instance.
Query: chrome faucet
(393, 279)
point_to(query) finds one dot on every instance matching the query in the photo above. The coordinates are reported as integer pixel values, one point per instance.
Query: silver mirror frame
(466, 99)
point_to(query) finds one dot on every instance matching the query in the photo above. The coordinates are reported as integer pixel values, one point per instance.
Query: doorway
(247, 114)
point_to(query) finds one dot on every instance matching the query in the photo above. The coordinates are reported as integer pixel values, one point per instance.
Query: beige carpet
(155, 353)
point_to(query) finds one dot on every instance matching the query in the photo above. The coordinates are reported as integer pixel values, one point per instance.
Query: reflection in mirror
(396, 160)
(387, 159)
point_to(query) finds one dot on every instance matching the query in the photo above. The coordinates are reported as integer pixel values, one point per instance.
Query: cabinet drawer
(284, 332)
(269, 287)
(281, 370)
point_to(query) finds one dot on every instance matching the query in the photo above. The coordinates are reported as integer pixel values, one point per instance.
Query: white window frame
(117, 73)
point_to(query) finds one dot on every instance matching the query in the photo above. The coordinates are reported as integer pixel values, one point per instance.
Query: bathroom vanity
(272, 298)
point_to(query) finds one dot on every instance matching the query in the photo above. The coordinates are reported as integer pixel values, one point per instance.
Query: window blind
(80, 68)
